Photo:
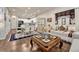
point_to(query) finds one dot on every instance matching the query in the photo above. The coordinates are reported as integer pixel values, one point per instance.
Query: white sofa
(22, 35)
(75, 46)
(63, 35)
(75, 35)
(74, 40)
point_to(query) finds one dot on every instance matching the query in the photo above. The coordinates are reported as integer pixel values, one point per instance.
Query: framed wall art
(49, 19)
(63, 21)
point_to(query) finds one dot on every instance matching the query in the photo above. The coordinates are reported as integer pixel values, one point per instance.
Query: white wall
(14, 23)
(51, 14)
(77, 18)
(2, 24)
(8, 22)
(41, 23)
(46, 15)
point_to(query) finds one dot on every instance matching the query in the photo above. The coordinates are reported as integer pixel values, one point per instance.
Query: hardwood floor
(23, 45)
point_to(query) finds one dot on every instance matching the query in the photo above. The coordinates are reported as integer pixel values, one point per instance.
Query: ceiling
(28, 12)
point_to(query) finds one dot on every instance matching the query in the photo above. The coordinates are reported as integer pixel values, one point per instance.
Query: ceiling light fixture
(13, 16)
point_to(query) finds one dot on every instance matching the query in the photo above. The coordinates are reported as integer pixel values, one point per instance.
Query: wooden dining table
(45, 46)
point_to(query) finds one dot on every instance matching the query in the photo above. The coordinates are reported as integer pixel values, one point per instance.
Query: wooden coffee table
(45, 46)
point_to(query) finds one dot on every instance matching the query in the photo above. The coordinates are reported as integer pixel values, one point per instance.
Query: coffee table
(45, 46)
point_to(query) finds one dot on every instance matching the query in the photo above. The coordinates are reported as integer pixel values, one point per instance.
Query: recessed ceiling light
(13, 16)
